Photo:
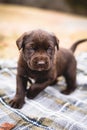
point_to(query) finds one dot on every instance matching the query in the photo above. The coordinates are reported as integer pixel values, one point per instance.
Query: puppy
(43, 60)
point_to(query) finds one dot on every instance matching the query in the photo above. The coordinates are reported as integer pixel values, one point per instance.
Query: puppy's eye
(49, 50)
(30, 50)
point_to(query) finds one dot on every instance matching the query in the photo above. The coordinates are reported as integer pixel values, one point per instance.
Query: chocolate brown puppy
(42, 59)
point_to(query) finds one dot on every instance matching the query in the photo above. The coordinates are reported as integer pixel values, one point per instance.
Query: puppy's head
(38, 49)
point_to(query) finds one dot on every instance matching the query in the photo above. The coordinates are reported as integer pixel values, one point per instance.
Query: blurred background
(67, 19)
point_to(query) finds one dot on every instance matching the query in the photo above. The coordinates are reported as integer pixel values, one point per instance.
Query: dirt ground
(15, 20)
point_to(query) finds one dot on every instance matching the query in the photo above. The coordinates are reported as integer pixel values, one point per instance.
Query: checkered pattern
(50, 110)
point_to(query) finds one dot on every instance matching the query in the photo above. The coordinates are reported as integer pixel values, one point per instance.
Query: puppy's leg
(18, 100)
(70, 78)
(54, 82)
(36, 88)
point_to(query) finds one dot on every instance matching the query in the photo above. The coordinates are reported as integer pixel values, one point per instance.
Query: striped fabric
(50, 110)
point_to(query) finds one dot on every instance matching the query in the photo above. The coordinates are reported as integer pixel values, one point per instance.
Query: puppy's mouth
(39, 65)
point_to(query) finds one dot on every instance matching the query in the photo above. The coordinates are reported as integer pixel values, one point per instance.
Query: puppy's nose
(41, 62)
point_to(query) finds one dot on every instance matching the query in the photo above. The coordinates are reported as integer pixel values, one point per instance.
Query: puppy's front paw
(30, 95)
(17, 102)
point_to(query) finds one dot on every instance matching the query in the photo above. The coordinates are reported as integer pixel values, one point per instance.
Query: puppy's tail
(74, 46)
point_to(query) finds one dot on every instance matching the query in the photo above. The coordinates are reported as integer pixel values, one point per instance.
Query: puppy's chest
(35, 75)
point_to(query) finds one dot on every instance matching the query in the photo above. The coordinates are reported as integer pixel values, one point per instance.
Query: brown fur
(43, 60)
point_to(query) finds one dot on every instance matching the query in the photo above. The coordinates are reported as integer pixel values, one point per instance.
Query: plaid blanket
(50, 110)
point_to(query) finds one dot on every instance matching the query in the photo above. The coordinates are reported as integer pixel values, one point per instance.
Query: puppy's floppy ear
(56, 41)
(20, 41)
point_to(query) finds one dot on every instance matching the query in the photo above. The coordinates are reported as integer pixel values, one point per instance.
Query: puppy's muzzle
(40, 63)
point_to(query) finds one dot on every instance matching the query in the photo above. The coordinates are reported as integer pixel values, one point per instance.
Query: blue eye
(49, 50)
(30, 50)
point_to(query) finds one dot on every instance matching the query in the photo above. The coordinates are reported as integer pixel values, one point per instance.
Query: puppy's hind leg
(70, 78)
